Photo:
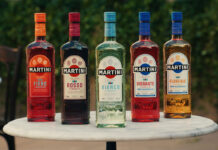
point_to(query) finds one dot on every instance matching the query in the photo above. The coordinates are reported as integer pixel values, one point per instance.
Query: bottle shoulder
(177, 43)
(147, 43)
(40, 44)
(111, 45)
(74, 45)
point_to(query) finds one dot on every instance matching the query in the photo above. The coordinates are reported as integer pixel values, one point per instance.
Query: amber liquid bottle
(74, 76)
(40, 61)
(177, 72)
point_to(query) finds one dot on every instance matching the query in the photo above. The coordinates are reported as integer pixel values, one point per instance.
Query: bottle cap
(176, 16)
(144, 16)
(40, 17)
(74, 26)
(176, 23)
(110, 16)
(74, 17)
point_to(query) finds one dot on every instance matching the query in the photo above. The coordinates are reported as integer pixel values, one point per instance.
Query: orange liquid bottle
(177, 73)
(40, 62)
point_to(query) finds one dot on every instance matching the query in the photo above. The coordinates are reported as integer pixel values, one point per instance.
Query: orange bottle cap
(40, 17)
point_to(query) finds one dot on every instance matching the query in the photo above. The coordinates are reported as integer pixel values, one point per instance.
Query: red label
(110, 68)
(39, 72)
(76, 74)
(74, 29)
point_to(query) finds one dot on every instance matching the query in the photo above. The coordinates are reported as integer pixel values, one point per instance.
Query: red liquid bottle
(40, 61)
(74, 76)
(144, 74)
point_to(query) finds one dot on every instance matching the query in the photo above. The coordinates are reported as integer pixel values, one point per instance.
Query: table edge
(212, 128)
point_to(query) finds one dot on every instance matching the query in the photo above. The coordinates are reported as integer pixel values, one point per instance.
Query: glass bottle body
(74, 88)
(110, 90)
(40, 85)
(177, 91)
(145, 89)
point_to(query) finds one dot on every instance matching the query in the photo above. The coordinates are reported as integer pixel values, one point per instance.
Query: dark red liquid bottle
(144, 74)
(74, 76)
(40, 61)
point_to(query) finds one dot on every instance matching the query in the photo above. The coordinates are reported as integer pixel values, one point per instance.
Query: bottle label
(74, 78)
(177, 74)
(40, 29)
(110, 29)
(145, 70)
(110, 74)
(39, 72)
(74, 29)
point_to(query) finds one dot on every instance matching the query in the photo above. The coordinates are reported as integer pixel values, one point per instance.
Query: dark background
(200, 28)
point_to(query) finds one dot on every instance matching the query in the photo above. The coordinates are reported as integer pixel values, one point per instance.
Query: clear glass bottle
(177, 72)
(110, 78)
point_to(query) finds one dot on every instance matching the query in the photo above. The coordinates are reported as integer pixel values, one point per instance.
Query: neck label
(144, 28)
(145, 75)
(74, 29)
(177, 68)
(110, 29)
(40, 29)
(177, 28)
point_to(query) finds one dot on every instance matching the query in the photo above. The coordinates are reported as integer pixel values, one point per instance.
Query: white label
(145, 72)
(110, 79)
(177, 74)
(74, 78)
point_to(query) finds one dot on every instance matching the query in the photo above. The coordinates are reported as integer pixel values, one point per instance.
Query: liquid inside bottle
(40, 61)
(74, 76)
(144, 74)
(177, 73)
(110, 78)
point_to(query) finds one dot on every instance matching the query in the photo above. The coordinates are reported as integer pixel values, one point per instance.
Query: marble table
(164, 129)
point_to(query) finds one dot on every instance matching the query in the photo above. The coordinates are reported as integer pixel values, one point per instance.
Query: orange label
(40, 17)
(39, 72)
(40, 29)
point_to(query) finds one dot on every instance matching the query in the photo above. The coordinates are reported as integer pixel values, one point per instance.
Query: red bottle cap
(40, 17)
(74, 17)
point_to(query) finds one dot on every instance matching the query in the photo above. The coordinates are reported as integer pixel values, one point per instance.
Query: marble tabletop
(164, 129)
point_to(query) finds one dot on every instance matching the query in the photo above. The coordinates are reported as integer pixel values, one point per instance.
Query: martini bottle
(40, 61)
(144, 74)
(110, 78)
(74, 77)
(177, 72)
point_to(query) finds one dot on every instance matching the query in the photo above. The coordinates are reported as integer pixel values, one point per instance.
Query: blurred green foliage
(200, 28)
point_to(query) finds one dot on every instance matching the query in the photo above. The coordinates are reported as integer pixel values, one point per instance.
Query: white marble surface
(164, 129)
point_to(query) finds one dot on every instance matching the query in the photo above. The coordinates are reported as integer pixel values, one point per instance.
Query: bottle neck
(74, 38)
(109, 38)
(144, 37)
(176, 30)
(110, 31)
(40, 31)
(40, 38)
(74, 31)
(176, 36)
(144, 31)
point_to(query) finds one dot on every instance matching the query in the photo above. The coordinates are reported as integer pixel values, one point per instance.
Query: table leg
(111, 146)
